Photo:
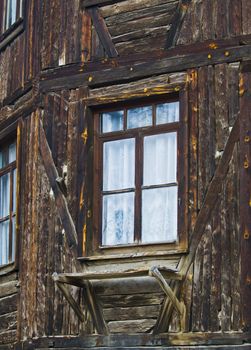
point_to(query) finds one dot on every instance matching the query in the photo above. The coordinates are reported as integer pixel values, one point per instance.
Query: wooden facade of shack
(64, 281)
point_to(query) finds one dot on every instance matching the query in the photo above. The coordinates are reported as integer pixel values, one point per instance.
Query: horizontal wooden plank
(8, 304)
(128, 5)
(217, 347)
(131, 313)
(89, 3)
(123, 17)
(135, 326)
(126, 286)
(8, 322)
(146, 340)
(135, 71)
(8, 288)
(8, 337)
(9, 278)
(123, 300)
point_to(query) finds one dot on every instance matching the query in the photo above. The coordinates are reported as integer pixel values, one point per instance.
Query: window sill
(140, 255)
(8, 268)
(9, 35)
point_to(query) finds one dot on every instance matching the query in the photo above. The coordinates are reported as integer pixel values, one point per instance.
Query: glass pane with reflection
(12, 152)
(139, 117)
(4, 242)
(167, 113)
(160, 159)
(159, 214)
(13, 238)
(118, 219)
(14, 190)
(112, 121)
(4, 195)
(119, 164)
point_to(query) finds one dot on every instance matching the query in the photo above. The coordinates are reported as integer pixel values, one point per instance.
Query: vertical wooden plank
(233, 92)
(245, 197)
(235, 18)
(82, 183)
(206, 279)
(233, 190)
(221, 106)
(222, 19)
(215, 288)
(193, 148)
(197, 289)
(196, 19)
(206, 131)
(207, 20)
(226, 263)
(246, 14)
(86, 37)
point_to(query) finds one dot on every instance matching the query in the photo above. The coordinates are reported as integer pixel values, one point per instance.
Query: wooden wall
(59, 33)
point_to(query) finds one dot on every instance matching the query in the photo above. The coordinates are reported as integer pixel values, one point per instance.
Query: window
(7, 202)
(138, 175)
(12, 12)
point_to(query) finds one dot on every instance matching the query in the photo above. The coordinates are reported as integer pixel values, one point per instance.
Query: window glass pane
(159, 215)
(13, 11)
(167, 113)
(4, 242)
(112, 121)
(12, 152)
(119, 164)
(21, 9)
(160, 158)
(118, 219)
(4, 195)
(1, 160)
(13, 237)
(14, 189)
(139, 117)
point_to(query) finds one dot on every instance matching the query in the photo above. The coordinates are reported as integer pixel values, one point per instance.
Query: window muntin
(7, 202)
(12, 12)
(140, 205)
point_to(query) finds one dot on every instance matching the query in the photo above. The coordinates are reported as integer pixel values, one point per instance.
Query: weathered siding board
(245, 196)
(209, 20)
(135, 27)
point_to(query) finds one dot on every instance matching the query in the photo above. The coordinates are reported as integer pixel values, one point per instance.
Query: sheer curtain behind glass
(7, 206)
(118, 208)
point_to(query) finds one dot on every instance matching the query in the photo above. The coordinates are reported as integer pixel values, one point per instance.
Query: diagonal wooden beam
(177, 23)
(91, 3)
(214, 189)
(65, 290)
(167, 289)
(61, 203)
(211, 197)
(103, 32)
(71, 236)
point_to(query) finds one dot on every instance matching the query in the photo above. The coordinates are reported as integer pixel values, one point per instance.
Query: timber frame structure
(59, 63)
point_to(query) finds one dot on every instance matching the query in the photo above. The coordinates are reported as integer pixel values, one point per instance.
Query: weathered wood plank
(131, 313)
(147, 341)
(8, 304)
(90, 3)
(59, 197)
(141, 70)
(136, 326)
(103, 32)
(245, 195)
(124, 300)
(177, 23)
(8, 322)
(8, 288)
